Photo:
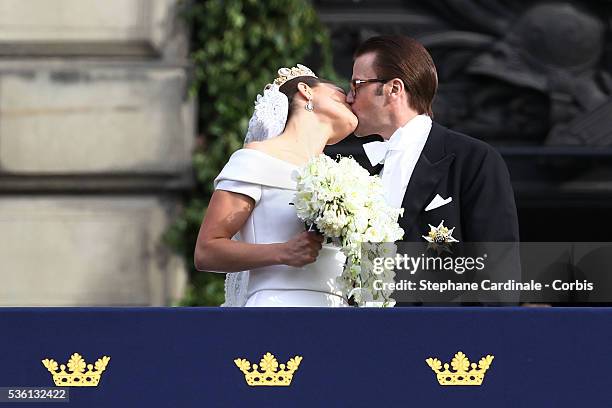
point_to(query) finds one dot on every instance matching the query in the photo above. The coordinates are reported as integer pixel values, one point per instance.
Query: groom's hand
(302, 249)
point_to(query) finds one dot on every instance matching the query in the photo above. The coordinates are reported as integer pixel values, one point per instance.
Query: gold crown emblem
(464, 374)
(77, 377)
(286, 74)
(271, 375)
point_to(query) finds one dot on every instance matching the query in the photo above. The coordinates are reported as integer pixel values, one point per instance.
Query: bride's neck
(306, 135)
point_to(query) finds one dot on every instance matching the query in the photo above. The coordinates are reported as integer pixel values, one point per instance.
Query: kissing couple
(438, 176)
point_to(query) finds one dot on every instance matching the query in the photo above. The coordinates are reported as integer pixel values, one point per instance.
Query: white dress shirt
(403, 150)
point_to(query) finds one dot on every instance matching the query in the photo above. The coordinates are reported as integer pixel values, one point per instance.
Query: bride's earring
(309, 106)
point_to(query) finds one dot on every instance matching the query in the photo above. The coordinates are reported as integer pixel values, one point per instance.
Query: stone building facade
(96, 134)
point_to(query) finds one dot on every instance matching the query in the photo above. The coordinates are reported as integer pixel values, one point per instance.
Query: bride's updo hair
(290, 88)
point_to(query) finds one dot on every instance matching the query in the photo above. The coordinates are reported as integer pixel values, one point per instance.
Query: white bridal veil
(268, 120)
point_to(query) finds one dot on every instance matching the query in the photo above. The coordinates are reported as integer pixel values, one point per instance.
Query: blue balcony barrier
(184, 357)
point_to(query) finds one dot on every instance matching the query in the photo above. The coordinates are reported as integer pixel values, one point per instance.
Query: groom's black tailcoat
(475, 176)
(482, 210)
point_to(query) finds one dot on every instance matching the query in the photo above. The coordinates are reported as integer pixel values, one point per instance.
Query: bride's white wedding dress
(268, 180)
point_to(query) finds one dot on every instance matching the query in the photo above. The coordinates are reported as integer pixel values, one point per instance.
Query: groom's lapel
(432, 165)
(375, 169)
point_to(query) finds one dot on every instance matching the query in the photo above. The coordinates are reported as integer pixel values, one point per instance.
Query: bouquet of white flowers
(344, 203)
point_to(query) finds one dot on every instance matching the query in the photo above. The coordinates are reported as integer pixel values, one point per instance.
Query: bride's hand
(302, 249)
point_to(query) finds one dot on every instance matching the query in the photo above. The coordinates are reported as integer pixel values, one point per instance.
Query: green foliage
(237, 47)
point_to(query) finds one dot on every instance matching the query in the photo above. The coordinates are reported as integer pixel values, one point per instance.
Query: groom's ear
(397, 87)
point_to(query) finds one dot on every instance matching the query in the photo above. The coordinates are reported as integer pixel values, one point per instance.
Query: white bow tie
(376, 151)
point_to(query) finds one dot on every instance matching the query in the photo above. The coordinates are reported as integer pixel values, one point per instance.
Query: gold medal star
(440, 234)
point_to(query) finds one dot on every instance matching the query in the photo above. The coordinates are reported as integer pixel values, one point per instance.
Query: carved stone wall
(511, 72)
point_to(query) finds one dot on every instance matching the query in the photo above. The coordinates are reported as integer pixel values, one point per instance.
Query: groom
(432, 172)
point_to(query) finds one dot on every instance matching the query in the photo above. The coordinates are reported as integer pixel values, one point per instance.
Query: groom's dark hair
(402, 57)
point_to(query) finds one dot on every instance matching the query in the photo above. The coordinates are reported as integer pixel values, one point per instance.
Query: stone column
(96, 133)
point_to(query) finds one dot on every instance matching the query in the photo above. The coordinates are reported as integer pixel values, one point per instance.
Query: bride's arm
(215, 251)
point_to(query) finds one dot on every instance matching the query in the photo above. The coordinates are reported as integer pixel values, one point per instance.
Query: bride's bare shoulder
(264, 146)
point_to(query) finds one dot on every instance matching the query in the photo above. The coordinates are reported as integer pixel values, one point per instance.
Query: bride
(272, 260)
